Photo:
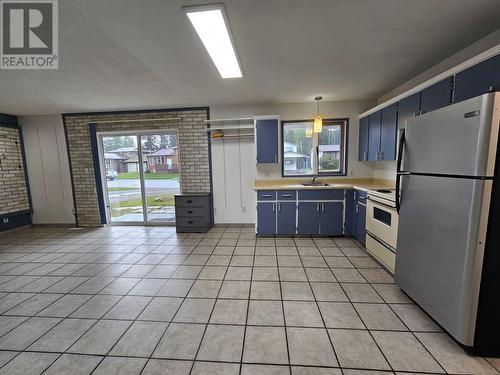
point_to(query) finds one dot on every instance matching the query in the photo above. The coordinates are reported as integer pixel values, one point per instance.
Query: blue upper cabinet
(407, 108)
(364, 124)
(436, 96)
(388, 131)
(478, 79)
(266, 133)
(374, 136)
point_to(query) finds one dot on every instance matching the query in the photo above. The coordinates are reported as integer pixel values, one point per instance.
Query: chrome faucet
(314, 180)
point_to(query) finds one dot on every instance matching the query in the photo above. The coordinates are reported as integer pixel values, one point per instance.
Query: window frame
(344, 141)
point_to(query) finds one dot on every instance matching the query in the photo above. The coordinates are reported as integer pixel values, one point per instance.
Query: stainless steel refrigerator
(448, 253)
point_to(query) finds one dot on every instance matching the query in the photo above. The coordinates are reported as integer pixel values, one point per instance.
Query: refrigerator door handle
(402, 140)
(397, 192)
(399, 172)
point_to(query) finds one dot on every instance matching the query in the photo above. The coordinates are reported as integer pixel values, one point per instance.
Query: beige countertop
(334, 183)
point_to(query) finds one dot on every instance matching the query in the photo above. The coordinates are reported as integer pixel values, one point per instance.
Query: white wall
(48, 169)
(233, 161)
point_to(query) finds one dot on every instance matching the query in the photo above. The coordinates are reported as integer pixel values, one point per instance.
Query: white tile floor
(145, 300)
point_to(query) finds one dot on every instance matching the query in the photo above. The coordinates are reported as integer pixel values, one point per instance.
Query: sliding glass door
(161, 175)
(141, 176)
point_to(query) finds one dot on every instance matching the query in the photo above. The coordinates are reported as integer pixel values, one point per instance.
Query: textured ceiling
(126, 54)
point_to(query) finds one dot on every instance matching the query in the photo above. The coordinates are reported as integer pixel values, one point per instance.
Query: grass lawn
(147, 176)
(118, 209)
(120, 188)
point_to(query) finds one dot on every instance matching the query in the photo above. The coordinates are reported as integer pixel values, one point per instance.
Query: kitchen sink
(315, 184)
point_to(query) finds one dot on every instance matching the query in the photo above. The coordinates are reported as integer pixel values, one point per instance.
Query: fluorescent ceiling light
(211, 24)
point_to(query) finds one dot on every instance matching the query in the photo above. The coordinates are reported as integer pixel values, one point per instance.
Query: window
(306, 153)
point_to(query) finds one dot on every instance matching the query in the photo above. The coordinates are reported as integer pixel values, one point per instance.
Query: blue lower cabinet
(350, 213)
(308, 218)
(266, 218)
(332, 219)
(286, 214)
(360, 223)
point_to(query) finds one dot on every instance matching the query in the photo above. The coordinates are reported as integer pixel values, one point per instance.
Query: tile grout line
(248, 306)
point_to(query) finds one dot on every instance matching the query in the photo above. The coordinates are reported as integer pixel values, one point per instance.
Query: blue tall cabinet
(266, 135)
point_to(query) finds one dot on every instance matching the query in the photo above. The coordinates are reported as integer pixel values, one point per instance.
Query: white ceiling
(131, 54)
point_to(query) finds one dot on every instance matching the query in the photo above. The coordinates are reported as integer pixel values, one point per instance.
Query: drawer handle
(190, 212)
(287, 195)
(190, 221)
(266, 195)
(189, 201)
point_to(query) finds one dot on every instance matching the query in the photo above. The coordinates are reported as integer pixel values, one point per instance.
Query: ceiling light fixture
(318, 120)
(211, 24)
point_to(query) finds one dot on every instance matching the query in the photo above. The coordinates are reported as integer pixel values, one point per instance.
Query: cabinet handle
(279, 206)
(287, 195)
(190, 221)
(357, 208)
(274, 207)
(317, 206)
(266, 195)
(322, 207)
(190, 212)
(189, 201)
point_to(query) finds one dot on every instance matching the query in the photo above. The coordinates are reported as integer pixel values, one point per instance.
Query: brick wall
(192, 143)
(13, 189)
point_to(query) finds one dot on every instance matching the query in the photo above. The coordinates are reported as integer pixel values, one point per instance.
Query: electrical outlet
(6, 220)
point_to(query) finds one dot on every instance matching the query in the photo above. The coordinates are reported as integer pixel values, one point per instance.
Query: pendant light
(309, 132)
(318, 120)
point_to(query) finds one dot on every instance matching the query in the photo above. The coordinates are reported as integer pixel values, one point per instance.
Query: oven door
(382, 222)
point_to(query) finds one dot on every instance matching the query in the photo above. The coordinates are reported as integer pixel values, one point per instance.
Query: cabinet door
(267, 140)
(364, 124)
(361, 223)
(374, 136)
(308, 218)
(350, 213)
(478, 79)
(332, 218)
(286, 213)
(408, 108)
(388, 133)
(266, 218)
(437, 96)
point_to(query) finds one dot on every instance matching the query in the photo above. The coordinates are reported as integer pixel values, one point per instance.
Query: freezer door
(456, 140)
(441, 234)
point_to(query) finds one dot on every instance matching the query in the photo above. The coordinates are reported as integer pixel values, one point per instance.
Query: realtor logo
(29, 38)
